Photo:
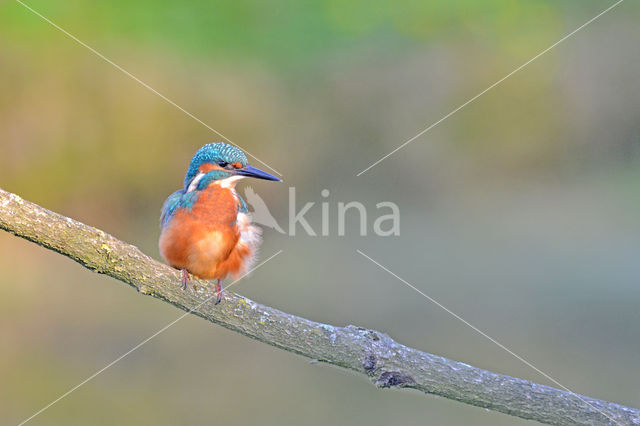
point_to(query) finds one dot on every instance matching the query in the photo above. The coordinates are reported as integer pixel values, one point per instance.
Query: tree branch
(387, 363)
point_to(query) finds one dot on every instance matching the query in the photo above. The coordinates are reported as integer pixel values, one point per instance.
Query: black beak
(250, 171)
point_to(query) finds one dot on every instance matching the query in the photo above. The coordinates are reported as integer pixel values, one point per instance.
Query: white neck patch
(194, 182)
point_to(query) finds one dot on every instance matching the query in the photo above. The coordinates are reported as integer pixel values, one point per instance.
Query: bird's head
(220, 162)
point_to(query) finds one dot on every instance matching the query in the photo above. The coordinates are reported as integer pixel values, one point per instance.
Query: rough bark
(387, 363)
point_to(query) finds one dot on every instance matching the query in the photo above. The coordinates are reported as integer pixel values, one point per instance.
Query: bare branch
(387, 363)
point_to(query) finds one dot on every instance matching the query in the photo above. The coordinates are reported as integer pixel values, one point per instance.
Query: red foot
(218, 291)
(185, 279)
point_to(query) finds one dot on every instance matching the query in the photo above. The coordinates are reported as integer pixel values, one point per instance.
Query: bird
(206, 228)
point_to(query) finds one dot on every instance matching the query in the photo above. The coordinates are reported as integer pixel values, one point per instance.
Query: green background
(519, 213)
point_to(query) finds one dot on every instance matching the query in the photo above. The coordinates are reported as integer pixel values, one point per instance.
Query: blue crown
(214, 153)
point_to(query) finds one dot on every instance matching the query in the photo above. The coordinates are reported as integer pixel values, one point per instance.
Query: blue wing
(170, 205)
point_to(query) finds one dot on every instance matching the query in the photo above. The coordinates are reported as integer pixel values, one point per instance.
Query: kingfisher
(206, 228)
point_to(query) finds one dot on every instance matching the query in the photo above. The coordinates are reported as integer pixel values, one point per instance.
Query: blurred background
(519, 213)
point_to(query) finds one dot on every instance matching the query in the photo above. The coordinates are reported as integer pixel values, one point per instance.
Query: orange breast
(205, 239)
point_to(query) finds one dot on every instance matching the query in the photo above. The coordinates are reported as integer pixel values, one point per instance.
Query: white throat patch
(229, 182)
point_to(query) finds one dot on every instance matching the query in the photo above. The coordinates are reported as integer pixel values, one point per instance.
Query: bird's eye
(223, 164)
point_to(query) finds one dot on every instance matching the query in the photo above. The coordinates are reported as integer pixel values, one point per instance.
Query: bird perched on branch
(206, 227)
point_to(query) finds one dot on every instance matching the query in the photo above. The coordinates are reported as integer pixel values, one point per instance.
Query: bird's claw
(218, 292)
(185, 279)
